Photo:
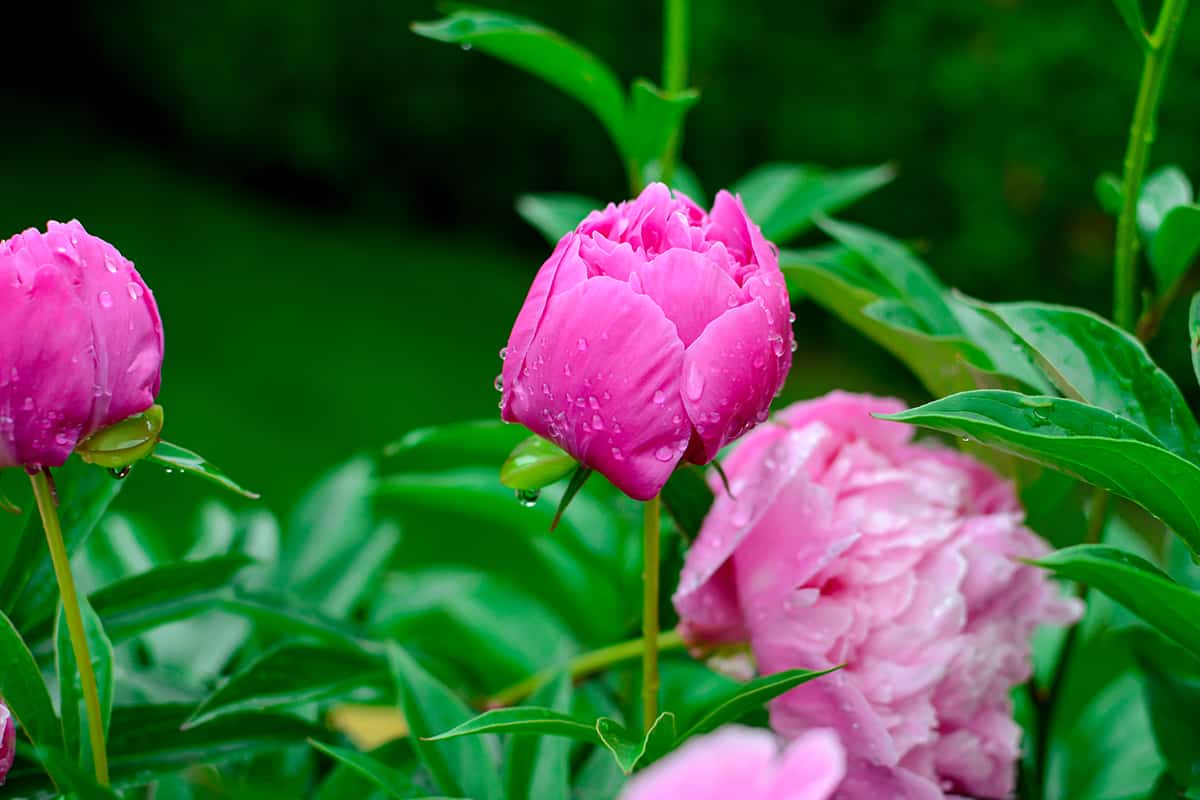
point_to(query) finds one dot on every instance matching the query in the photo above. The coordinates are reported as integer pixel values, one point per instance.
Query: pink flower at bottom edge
(8, 742)
(746, 764)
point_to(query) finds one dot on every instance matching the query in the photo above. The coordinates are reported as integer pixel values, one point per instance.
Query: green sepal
(125, 443)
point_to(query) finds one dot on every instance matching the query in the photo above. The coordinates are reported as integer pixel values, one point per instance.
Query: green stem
(675, 68)
(70, 601)
(1159, 47)
(582, 666)
(650, 547)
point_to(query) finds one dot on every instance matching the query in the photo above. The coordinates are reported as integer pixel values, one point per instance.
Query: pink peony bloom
(8, 742)
(655, 332)
(849, 544)
(747, 764)
(81, 343)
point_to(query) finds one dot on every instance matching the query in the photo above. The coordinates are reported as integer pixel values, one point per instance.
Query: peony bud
(81, 343)
(654, 333)
(848, 544)
(8, 742)
(744, 763)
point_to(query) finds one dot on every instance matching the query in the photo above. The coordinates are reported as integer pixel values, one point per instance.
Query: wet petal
(690, 289)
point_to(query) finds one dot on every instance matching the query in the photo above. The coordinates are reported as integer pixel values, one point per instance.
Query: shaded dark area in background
(323, 201)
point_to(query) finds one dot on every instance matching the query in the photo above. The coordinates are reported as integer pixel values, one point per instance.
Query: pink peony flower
(655, 332)
(744, 763)
(849, 544)
(8, 742)
(81, 343)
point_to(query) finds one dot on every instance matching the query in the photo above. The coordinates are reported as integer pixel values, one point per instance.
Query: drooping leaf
(749, 697)
(1088, 442)
(1108, 192)
(387, 780)
(1136, 584)
(555, 214)
(174, 457)
(1091, 360)
(540, 51)
(655, 118)
(23, 690)
(1175, 246)
(1162, 191)
(461, 766)
(539, 767)
(290, 675)
(784, 199)
(523, 720)
(72, 705)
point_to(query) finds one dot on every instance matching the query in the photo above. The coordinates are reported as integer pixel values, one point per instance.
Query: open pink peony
(655, 332)
(81, 343)
(746, 764)
(849, 544)
(8, 742)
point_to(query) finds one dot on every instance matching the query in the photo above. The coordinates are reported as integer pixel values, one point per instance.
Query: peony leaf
(174, 457)
(1194, 333)
(23, 690)
(530, 720)
(1166, 189)
(1131, 13)
(1090, 443)
(1108, 192)
(785, 199)
(74, 718)
(1175, 246)
(655, 119)
(387, 780)
(750, 697)
(555, 214)
(539, 768)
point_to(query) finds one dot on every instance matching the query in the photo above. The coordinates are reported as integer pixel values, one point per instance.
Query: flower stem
(650, 548)
(1159, 47)
(582, 666)
(44, 495)
(675, 68)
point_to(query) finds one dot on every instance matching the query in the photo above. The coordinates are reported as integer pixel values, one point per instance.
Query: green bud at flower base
(534, 464)
(124, 444)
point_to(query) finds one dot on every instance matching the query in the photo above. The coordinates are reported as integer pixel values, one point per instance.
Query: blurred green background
(323, 202)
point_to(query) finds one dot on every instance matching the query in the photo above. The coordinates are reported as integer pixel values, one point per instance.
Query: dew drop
(597, 423)
(695, 382)
(795, 345)
(617, 454)
(528, 497)
(777, 345)
(664, 453)
(28, 404)
(135, 291)
(659, 398)
(791, 316)
(121, 472)
(106, 300)
(498, 384)
(503, 353)
(581, 344)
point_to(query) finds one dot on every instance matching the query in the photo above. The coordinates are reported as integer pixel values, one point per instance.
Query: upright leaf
(1091, 360)
(1171, 679)
(73, 780)
(73, 708)
(1162, 191)
(655, 118)
(462, 766)
(540, 51)
(1175, 246)
(1108, 191)
(749, 697)
(536, 767)
(1088, 442)
(784, 199)
(555, 214)
(1131, 13)
(23, 691)
(1136, 584)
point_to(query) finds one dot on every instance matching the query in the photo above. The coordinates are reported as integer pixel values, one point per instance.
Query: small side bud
(534, 464)
(124, 444)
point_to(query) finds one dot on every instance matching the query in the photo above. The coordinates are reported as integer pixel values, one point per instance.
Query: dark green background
(322, 201)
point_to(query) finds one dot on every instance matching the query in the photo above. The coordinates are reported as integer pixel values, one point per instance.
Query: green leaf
(450, 446)
(578, 479)
(750, 697)
(683, 180)
(1090, 443)
(655, 118)
(1172, 685)
(280, 614)
(1194, 333)
(1162, 191)
(660, 739)
(687, 499)
(164, 594)
(536, 463)
(23, 691)
(784, 199)
(1136, 584)
(391, 782)
(1131, 13)
(631, 751)
(290, 675)
(912, 281)
(1091, 360)
(1108, 192)
(174, 457)
(523, 719)
(540, 51)
(71, 778)
(536, 767)
(460, 766)
(555, 214)
(30, 590)
(74, 711)
(1175, 246)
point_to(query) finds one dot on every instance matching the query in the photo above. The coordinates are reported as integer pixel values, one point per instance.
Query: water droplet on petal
(581, 344)
(659, 398)
(135, 291)
(503, 353)
(791, 316)
(106, 300)
(695, 382)
(498, 384)
(795, 345)
(617, 454)
(664, 453)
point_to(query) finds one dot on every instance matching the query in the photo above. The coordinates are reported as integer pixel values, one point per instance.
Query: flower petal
(690, 289)
(605, 385)
(811, 767)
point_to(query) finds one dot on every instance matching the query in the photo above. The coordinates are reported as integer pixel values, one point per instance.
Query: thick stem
(675, 68)
(582, 666)
(650, 643)
(70, 600)
(1159, 47)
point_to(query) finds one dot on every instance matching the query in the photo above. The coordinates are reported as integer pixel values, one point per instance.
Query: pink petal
(605, 385)
(812, 767)
(690, 289)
